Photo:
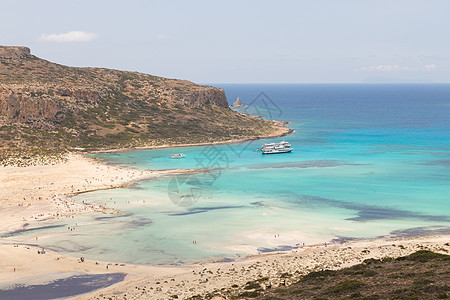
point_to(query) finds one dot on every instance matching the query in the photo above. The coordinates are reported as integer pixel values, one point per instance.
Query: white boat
(178, 155)
(275, 148)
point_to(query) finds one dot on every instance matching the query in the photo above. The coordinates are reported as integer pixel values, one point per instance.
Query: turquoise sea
(368, 161)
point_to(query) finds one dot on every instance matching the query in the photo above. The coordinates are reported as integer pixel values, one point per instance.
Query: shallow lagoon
(369, 160)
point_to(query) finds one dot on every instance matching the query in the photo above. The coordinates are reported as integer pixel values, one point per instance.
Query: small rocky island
(237, 103)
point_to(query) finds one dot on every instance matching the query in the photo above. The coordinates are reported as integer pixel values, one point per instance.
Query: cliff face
(18, 107)
(50, 105)
(39, 105)
(203, 97)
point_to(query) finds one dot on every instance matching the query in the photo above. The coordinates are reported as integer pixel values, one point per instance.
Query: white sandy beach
(24, 185)
(36, 193)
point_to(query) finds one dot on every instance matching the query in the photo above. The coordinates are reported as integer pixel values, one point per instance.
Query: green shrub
(345, 287)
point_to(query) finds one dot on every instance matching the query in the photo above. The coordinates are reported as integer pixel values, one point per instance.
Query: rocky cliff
(43, 104)
(19, 106)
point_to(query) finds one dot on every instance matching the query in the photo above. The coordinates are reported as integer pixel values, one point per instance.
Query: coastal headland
(47, 109)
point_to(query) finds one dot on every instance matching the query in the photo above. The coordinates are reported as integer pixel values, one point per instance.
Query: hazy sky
(240, 41)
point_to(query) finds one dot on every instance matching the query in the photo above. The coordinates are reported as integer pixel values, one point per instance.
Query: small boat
(275, 148)
(178, 155)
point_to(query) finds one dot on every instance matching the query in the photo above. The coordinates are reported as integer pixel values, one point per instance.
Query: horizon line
(334, 83)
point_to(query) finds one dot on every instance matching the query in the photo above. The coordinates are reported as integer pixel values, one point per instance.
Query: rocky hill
(49, 107)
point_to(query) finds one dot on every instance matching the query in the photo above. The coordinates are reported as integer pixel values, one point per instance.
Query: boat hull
(277, 151)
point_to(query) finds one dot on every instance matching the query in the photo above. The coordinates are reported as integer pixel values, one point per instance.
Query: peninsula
(48, 109)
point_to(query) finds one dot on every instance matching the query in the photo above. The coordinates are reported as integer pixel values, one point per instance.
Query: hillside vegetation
(50, 108)
(420, 275)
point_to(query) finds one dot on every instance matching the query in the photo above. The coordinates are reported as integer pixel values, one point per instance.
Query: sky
(316, 41)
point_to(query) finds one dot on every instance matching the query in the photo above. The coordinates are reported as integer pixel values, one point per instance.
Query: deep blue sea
(368, 161)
